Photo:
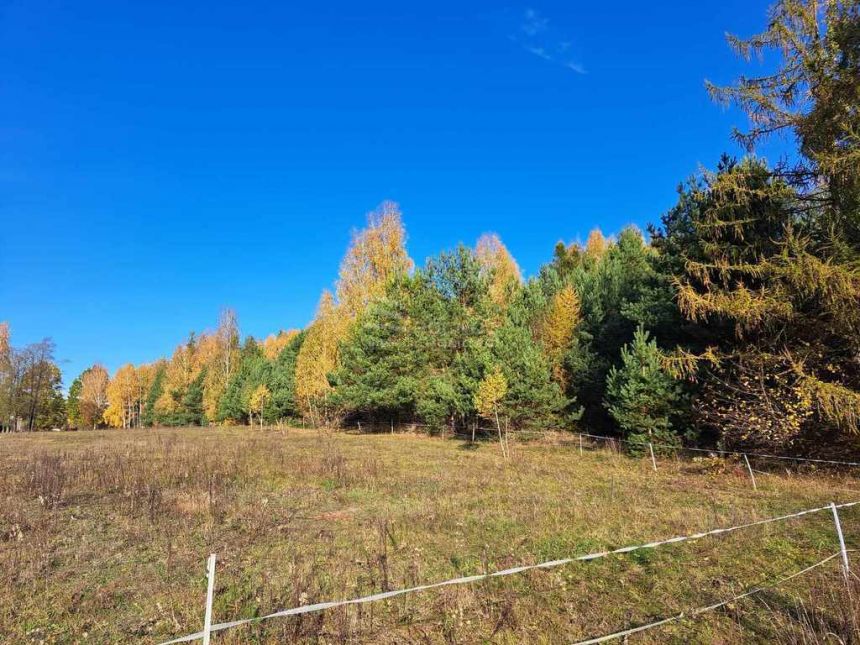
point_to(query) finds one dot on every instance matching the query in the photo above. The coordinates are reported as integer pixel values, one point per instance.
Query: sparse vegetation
(105, 537)
(735, 323)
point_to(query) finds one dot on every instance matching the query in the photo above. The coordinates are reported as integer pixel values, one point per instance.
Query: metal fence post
(846, 569)
(210, 588)
(749, 468)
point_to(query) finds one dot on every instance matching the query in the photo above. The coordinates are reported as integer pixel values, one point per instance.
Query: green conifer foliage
(150, 414)
(640, 396)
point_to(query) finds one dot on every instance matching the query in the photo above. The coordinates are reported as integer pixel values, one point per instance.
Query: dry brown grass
(104, 537)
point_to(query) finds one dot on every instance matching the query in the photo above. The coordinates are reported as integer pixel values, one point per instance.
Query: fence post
(653, 461)
(210, 588)
(749, 468)
(580, 444)
(846, 570)
(392, 426)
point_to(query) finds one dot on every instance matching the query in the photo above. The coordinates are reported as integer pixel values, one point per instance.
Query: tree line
(734, 319)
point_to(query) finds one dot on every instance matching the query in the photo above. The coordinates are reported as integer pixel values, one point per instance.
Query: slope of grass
(104, 537)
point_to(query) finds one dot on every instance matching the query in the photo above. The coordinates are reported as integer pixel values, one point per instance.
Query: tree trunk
(499, 428)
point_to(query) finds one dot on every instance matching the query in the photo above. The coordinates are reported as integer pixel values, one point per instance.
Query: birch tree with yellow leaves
(274, 344)
(488, 397)
(6, 376)
(376, 255)
(220, 361)
(181, 371)
(94, 397)
(123, 397)
(318, 357)
(257, 402)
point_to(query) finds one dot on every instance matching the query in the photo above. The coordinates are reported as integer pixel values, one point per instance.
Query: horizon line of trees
(736, 321)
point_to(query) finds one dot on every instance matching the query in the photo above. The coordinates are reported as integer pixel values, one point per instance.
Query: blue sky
(159, 161)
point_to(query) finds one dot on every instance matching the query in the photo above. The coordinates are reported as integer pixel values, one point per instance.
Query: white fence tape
(674, 447)
(305, 609)
(731, 452)
(701, 610)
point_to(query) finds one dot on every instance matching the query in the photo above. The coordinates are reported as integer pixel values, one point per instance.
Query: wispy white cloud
(539, 51)
(533, 23)
(536, 37)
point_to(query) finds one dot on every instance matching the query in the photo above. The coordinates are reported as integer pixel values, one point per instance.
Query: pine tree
(282, 382)
(191, 410)
(149, 416)
(620, 286)
(533, 398)
(51, 411)
(73, 403)
(380, 365)
(640, 396)
(253, 370)
(182, 369)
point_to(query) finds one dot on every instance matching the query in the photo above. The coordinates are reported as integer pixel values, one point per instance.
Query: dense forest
(735, 318)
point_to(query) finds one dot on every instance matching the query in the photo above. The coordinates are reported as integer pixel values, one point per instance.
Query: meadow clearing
(104, 537)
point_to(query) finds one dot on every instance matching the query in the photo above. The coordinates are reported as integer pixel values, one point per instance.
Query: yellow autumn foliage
(375, 255)
(123, 396)
(259, 397)
(500, 266)
(557, 329)
(318, 357)
(182, 369)
(93, 398)
(596, 245)
(274, 344)
(490, 393)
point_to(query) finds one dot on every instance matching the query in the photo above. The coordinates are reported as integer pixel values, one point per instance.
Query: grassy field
(104, 537)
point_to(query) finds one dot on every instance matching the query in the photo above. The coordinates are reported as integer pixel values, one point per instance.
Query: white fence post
(846, 570)
(749, 468)
(580, 444)
(210, 588)
(653, 461)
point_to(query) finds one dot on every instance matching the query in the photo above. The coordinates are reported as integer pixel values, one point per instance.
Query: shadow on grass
(788, 612)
